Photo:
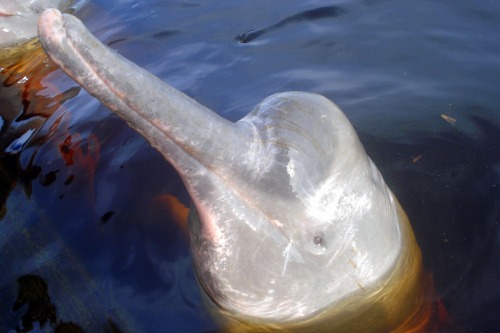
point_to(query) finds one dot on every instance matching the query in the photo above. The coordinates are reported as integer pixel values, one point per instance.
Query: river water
(89, 203)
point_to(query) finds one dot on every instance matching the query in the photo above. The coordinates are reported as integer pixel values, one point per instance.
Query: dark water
(85, 207)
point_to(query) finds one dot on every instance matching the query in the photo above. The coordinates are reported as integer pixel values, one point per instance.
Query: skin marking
(360, 286)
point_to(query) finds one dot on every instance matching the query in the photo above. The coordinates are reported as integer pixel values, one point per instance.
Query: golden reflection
(24, 67)
(27, 101)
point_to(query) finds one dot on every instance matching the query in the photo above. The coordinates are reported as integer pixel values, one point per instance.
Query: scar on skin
(360, 286)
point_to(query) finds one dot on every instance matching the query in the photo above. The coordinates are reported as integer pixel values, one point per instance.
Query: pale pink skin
(292, 215)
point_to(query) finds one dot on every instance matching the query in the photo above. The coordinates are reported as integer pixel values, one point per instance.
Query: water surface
(86, 197)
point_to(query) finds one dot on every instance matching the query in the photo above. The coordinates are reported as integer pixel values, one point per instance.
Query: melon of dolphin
(293, 227)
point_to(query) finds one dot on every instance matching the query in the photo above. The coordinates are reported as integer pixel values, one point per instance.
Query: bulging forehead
(320, 226)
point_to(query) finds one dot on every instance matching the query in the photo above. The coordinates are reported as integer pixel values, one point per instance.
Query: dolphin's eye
(317, 240)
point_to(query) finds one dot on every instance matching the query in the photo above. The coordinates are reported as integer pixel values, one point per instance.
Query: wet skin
(293, 226)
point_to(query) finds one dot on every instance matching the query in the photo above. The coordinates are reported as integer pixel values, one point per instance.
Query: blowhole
(317, 240)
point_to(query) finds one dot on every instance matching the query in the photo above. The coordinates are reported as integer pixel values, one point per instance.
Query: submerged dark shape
(33, 291)
(308, 15)
(68, 327)
(293, 227)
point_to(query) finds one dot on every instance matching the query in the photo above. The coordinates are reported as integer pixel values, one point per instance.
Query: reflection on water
(90, 208)
(27, 103)
(27, 100)
(103, 256)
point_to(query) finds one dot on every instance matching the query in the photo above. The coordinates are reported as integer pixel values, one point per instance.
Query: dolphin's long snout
(183, 130)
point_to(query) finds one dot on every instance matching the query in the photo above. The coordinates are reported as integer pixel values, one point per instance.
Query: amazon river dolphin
(293, 227)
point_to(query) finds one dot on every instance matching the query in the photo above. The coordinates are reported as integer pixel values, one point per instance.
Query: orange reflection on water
(27, 96)
(83, 155)
(431, 315)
